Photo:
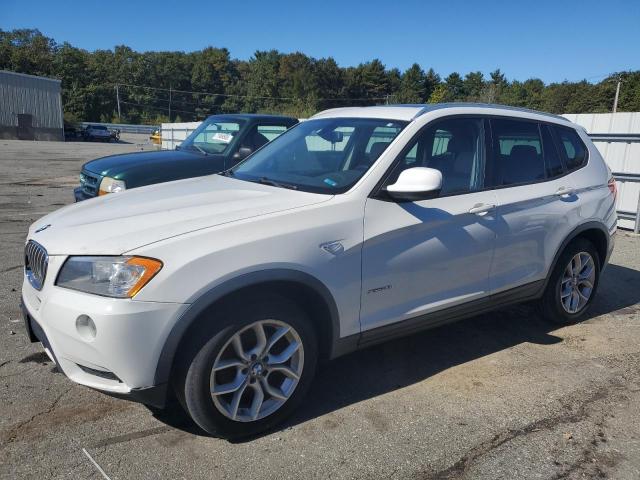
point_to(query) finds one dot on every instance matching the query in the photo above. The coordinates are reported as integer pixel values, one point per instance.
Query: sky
(552, 40)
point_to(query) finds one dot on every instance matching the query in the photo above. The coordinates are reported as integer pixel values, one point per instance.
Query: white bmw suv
(354, 227)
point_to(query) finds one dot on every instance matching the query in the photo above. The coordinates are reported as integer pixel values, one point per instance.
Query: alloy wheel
(257, 370)
(577, 282)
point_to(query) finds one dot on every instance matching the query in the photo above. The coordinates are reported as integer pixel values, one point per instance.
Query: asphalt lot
(502, 395)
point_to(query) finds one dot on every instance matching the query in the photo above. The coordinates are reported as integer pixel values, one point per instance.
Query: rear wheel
(253, 371)
(573, 283)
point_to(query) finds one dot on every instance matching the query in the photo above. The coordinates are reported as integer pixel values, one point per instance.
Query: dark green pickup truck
(219, 143)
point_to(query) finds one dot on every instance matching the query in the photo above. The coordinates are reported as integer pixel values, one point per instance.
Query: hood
(114, 224)
(129, 166)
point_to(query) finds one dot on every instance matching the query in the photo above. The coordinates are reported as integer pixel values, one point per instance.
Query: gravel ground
(501, 395)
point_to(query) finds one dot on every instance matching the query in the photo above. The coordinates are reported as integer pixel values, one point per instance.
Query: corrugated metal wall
(36, 96)
(617, 136)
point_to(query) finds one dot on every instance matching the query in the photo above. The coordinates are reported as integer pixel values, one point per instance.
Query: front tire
(573, 283)
(253, 371)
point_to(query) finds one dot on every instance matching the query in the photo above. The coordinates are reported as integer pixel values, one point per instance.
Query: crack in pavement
(12, 434)
(460, 468)
(15, 267)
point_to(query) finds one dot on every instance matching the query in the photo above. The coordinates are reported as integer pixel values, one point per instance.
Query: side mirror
(242, 153)
(417, 183)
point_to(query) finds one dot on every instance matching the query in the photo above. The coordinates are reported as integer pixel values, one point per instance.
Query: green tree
(412, 86)
(210, 81)
(263, 88)
(454, 88)
(473, 86)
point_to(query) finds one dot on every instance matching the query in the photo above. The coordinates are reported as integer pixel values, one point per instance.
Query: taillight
(612, 187)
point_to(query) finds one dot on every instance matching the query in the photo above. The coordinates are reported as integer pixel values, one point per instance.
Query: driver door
(423, 256)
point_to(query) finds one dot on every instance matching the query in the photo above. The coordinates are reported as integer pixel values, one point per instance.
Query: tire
(215, 413)
(556, 305)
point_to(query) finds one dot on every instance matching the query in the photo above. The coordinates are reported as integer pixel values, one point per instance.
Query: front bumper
(122, 357)
(79, 194)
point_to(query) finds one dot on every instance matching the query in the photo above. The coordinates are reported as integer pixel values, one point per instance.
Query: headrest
(459, 143)
(376, 150)
(524, 152)
(258, 140)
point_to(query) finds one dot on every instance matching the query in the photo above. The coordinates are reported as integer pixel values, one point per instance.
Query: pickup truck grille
(36, 261)
(90, 183)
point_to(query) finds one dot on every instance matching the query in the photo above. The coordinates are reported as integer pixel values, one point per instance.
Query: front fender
(210, 296)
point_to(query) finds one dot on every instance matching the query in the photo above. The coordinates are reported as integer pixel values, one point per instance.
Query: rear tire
(263, 352)
(573, 283)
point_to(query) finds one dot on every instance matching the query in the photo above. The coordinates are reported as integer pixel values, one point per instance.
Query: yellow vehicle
(156, 137)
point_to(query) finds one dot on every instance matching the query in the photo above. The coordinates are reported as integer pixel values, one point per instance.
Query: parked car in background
(71, 132)
(96, 133)
(357, 226)
(219, 143)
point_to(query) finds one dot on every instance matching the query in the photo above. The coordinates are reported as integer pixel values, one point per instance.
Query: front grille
(90, 182)
(36, 261)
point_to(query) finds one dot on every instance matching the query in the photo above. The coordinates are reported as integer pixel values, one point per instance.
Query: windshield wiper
(227, 173)
(268, 181)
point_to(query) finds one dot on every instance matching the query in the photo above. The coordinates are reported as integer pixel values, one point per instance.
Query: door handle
(481, 208)
(565, 191)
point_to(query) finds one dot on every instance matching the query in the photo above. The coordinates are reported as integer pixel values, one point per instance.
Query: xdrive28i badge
(43, 227)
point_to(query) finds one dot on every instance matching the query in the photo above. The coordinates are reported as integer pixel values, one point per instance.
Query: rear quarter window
(571, 147)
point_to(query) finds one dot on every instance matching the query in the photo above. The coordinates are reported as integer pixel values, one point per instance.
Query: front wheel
(573, 283)
(253, 371)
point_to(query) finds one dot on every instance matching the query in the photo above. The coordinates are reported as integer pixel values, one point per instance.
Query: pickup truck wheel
(573, 283)
(253, 371)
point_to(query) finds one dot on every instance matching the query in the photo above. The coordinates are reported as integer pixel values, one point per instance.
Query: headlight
(119, 277)
(111, 185)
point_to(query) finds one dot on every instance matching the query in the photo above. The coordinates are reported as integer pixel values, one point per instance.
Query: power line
(157, 108)
(244, 96)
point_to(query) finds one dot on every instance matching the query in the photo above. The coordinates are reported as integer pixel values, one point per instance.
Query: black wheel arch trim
(591, 225)
(210, 296)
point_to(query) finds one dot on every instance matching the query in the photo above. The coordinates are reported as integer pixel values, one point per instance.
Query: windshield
(214, 135)
(323, 156)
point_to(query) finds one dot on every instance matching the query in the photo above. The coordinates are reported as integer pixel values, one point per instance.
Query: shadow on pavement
(396, 364)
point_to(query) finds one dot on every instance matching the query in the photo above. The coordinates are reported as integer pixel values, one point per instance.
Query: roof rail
(425, 108)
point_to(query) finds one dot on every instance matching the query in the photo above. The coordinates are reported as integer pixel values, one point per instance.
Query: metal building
(30, 107)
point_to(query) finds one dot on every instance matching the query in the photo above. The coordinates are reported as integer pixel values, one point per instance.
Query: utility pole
(615, 101)
(118, 101)
(169, 103)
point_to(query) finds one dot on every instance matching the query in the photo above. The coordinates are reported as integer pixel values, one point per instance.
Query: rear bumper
(610, 246)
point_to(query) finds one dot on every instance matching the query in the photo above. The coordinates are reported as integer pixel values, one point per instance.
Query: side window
(517, 152)
(261, 135)
(572, 147)
(454, 146)
(271, 131)
(552, 162)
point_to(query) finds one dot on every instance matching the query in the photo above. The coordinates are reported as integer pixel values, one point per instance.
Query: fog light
(86, 328)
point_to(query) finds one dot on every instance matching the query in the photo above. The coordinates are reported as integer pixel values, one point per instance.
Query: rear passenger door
(535, 199)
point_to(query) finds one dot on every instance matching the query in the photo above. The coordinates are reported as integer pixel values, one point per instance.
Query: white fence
(174, 133)
(617, 136)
